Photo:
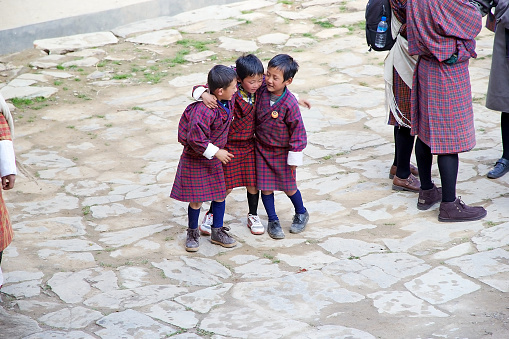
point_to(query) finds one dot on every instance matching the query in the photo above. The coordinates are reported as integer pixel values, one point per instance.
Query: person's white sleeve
(198, 91)
(8, 159)
(295, 158)
(210, 151)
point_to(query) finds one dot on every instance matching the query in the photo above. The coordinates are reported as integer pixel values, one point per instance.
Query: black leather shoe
(501, 168)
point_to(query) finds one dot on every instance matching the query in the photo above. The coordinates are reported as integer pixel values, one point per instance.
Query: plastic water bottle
(381, 33)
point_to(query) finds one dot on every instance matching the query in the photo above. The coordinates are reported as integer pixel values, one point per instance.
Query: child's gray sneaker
(220, 237)
(274, 229)
(192, 240)
(299, 222)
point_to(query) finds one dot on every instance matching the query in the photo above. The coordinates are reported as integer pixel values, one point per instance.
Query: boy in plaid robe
(8, 175)
(203, 133)
(442, 34)
(280, 140)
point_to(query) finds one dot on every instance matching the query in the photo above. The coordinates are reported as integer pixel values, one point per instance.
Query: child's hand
(8, 181)
(224, 156)
(209, 100)
(302, 102)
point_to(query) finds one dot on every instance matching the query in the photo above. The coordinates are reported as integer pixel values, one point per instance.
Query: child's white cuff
(8, 160)
(295, 158)
(198, 92)
(210, 151)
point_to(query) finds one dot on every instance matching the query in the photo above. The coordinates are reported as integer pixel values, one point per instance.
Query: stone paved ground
(98, 251)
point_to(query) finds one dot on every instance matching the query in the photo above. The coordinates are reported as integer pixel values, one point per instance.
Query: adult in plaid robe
(397, 91)
(497, 97)
(442, 34)
(8, 175)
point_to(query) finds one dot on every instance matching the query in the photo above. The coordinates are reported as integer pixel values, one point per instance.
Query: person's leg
(429, 194)
(451, 208)
(396, 132)
(218, 233)
(424, 160)
(273, 226)
(404, 147)
(502, 164)
(301, 217)
(193, 235)
(448, 167)
(1, 252)
(504, 126)
(253, 220)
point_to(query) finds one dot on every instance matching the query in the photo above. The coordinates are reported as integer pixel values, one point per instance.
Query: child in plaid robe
(442, 34)
(203, 133)
(280, 140)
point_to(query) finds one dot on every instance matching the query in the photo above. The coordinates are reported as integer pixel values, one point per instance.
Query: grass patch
(200, 46)
(138, 108)
(324, 23)
(35, 103)
(121, 76)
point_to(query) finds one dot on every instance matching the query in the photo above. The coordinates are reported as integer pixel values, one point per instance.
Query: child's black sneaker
(274, 229)
(299, 222)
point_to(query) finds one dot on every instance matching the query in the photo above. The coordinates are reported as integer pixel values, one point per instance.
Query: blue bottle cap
(384, 18)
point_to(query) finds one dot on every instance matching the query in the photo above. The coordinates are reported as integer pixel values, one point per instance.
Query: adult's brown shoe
(193, 240)
(411, 184)
(428, 198)
(459, 211)
(393, 170)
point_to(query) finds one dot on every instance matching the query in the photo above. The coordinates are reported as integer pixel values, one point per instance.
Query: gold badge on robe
(274, 114)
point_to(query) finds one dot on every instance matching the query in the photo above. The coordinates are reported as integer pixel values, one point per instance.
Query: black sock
(1, 256)
(395, 161)
(448, 167)
(504, 126)
(424, 162)
(252, 201)
(404, 147)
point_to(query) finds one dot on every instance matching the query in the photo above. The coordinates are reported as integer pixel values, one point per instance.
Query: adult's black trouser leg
(504, 126)
(424, 160)
(1, 256)
(395, 161)
(404, 146)
(448, 167)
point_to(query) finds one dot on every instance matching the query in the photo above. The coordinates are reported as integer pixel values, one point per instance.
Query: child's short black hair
(286, 64)
(248, 65)
(220, 76)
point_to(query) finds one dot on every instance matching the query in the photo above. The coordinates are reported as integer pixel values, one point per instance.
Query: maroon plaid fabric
(199, 179)
(399, 9)
(241, 171)
(275, 137)
(400, 89)
(441, 99)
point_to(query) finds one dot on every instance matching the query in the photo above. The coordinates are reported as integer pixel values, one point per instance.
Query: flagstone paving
(98, 249)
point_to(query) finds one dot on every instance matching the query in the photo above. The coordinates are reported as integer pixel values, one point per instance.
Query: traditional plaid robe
(241, 170)
(6, 233)
(400, 89)
(276, 135)
(441, 99)
(199, 179)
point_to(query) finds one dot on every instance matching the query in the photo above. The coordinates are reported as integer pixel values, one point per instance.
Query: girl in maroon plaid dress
(280, 140)
(8, 175)
(241, 170)
(442, 34)
(398, 81)
(203, 133)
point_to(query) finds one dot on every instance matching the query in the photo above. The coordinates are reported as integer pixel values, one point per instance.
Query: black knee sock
(395, 161)
(252, 201)
(424, 162)
(1, 256)
(404, 147)
(448, 167)
(504, 126)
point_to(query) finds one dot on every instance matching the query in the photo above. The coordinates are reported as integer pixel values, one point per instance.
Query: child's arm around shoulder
(200, 92)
